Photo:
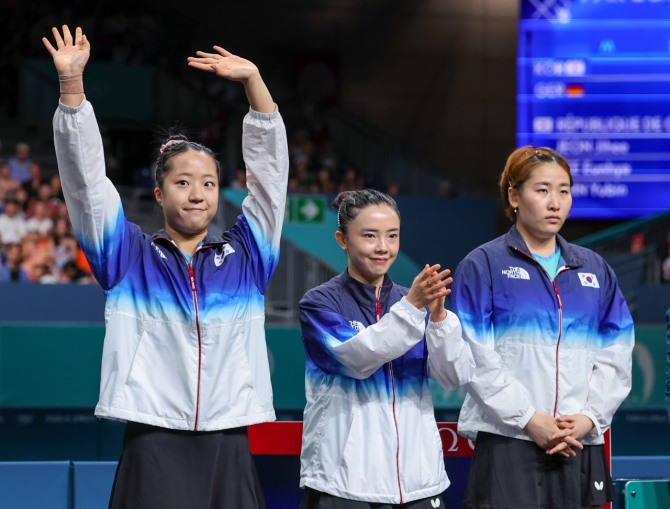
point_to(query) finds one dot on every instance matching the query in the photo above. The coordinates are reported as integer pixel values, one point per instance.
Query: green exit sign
(306, 209)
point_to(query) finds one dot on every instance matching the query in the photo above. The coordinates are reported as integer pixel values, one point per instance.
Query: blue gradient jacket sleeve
(450, 360)
(611, 377)
(106, 237)
(265, 152)
(338, 348)
(502, 396)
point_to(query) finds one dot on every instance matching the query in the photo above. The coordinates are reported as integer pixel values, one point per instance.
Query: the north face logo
(356, 325)
(516, 273)
(158, 250)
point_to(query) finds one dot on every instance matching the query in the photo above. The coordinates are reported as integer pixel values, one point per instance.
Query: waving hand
(71, 53)
(226, 65)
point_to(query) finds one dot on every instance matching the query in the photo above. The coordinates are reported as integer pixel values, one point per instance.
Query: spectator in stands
(370, 437)
(324, 182)
(21, 165)
(12, 222)
(11, 271)
(70, 273)
(32, 185)
(39, 221)
(36, 249)
(351, 179)
(56, 195)
(638, 243)
(65, 249)
(8, 184)
(185, 361)
(552, 338)
(44, 196)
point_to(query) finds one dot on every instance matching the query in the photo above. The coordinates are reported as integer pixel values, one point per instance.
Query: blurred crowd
(37, 243)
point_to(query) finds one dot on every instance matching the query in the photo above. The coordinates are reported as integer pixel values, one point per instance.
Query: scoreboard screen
(594, 84)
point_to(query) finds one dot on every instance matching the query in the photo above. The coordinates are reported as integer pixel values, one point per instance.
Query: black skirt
(517, 474)
(170, 469)
(313, 499)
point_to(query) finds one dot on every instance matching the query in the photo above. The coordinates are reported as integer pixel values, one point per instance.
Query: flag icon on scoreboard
(574, 90)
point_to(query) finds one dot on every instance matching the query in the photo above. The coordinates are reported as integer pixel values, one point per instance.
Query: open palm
(224, 64)
(71, 53)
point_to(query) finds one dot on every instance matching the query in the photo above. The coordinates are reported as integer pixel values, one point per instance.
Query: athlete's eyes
(210, 184)
(369, 235)
(394, 235)
(182, 182)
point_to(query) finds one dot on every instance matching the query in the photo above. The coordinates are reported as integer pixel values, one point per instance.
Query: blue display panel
(594, 84)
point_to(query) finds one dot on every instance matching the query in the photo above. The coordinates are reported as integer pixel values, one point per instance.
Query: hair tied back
(165, 146)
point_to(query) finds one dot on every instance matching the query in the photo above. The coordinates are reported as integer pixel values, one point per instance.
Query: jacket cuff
(72, 109)
(264, 116)
(413, 311)
(451, 322)
(596, 431)
(526, 417)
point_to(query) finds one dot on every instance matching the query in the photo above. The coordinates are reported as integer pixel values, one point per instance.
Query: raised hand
(71, 53)
(226, 65)
(428, 286)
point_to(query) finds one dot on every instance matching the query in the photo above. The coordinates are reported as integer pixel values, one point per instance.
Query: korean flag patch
(588, 279)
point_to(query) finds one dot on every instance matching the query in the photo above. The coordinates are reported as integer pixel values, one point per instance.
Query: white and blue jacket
(369, 426)
(184, 343)
(559, 347)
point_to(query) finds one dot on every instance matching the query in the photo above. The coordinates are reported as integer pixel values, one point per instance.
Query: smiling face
(189, 195)
(543, 203)
(372, 241)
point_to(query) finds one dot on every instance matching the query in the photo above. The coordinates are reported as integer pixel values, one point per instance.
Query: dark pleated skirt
(517, 474)
(170, 469)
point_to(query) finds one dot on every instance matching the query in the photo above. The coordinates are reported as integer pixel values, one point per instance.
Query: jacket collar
(364, 293)
(209, 240)
(572, 257)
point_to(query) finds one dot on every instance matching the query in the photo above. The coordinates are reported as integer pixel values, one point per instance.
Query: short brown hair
(520, 164)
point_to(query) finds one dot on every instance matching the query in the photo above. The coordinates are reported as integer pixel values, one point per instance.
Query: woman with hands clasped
(552, 339)
(184, 358)
(370, 438)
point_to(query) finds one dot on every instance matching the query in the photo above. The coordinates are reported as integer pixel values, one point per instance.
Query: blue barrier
(92, 483)
(35, 485)
(641, 467)
(87, 484)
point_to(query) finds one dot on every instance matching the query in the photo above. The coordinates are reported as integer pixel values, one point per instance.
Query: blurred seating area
(639, 253)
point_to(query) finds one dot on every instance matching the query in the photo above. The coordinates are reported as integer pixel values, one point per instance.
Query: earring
(515, 210)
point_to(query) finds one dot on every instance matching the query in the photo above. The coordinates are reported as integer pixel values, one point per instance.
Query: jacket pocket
(162, 377)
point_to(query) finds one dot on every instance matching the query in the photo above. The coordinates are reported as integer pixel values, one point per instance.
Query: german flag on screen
(572, 90)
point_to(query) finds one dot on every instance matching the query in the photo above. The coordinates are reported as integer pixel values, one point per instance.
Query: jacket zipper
(560, 321)
(560, 336)
(395, 417)
(191, 275)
